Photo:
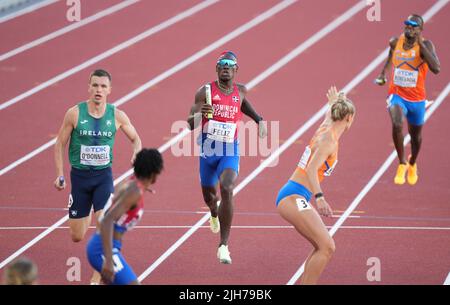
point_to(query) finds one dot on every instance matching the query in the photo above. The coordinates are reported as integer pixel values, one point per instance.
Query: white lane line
(218, 43)
(12, 209)
(308, 43)
(27, 157)
(247, 26)
(240, 227)
(33, 241)
(27, 10)
(66, 217)
(67, 29)
(285, 60)
(275, 9)
(430, 13)
(447, 280)
(193, 10)
(372, 181)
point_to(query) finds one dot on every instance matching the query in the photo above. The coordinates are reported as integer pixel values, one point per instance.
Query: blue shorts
(124, 275)
(414, 111)
(89, 188)
(293, 188)
(215, 157)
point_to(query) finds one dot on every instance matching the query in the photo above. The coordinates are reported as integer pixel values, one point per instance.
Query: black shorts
(89, 188)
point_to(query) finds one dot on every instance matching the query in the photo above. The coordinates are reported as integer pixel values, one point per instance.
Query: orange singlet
(408, 73)
(330, 163)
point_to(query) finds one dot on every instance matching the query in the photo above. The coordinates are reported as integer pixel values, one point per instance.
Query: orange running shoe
(412, 173)
(400, 175)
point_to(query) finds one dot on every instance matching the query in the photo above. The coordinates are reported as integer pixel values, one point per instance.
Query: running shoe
(412, 173)
(214, 224)
(224, 255)
(400, 175)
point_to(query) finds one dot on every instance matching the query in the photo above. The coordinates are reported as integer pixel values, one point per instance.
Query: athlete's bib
(405, 78)
(330, 170)
(221, 131)
(94, 155)
(305, 157)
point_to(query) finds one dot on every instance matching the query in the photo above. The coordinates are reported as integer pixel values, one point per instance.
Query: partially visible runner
(411, 56)
(22, 271)
(219, 159)
(122, 213)
(318, 160)
(91, 127)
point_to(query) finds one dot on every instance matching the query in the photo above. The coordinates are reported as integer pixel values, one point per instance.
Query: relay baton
(208, 99)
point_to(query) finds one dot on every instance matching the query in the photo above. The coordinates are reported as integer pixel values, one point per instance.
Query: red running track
(291, 96)
(17, 31)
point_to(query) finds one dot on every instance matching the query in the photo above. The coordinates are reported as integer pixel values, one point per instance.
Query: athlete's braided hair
(342, 108)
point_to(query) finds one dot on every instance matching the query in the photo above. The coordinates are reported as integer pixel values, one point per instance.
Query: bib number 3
(302, 204)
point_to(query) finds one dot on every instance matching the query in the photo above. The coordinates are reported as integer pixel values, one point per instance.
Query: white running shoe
(224, 255)
(214, 224)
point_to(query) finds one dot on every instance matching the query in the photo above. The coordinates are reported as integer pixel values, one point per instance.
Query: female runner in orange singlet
(318, 160)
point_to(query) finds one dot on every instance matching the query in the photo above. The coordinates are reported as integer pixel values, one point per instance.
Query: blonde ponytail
(21, 272)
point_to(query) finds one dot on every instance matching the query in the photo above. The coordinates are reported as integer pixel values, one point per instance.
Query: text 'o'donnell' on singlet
(92, 140)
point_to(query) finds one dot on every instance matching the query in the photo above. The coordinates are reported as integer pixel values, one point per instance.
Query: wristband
(318, 195)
